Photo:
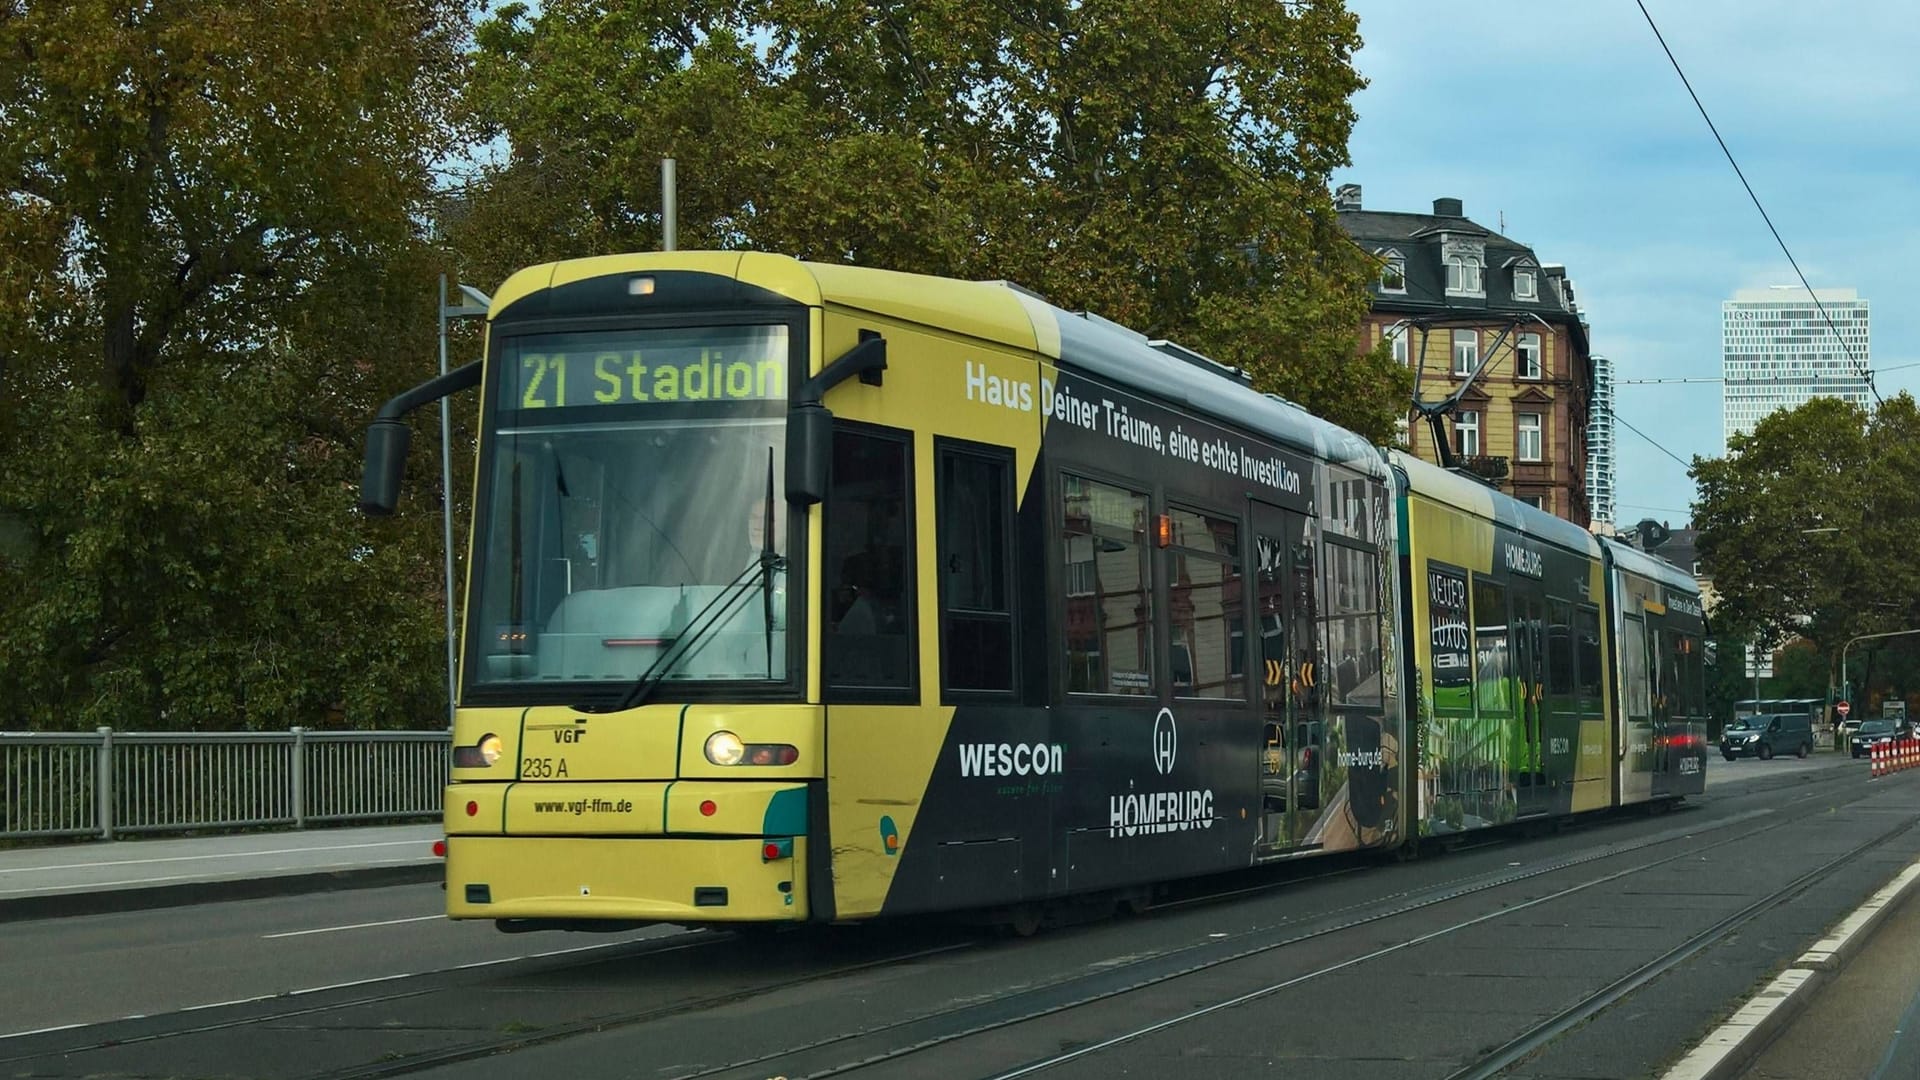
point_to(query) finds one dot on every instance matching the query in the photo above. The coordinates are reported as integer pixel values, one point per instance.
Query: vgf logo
(1166, 742)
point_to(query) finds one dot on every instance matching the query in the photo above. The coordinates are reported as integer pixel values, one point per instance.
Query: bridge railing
(105, 783)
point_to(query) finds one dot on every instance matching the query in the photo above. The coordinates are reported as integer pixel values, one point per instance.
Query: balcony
(1486, 467)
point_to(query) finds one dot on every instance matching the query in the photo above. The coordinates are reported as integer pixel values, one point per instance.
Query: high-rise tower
(1778, 352)
(1600, 444)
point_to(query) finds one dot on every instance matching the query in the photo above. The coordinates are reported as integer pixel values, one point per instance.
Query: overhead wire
(1859, 368)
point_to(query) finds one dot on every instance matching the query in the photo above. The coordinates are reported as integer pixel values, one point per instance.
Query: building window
(1526, 436)
(1528, 356)
(1398, 336)
(1538, 502)
(1696, 568)
(1466, 351)
(1466, 433)
(1393, 272)
(1463, 276)
(1523, 285)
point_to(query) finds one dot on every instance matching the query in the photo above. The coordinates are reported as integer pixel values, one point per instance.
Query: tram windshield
(626, 491)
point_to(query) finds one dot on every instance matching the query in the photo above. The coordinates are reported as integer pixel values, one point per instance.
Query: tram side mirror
(809, 453)
(385, 466)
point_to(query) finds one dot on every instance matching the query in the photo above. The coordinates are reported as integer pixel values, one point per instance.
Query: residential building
(1600, 445)
(1478, 315)
(1778, 351)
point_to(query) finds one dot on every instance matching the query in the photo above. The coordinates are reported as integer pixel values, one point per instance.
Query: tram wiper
(727, 600)
(767, 567)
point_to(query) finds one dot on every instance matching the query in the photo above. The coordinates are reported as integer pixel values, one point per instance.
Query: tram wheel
(1024, 920)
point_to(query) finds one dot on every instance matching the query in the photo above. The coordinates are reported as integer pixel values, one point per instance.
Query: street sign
(1843, 708)
(1759, 663)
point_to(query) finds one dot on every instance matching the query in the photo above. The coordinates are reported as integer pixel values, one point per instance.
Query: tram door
(1529, 641)
(1290, 759)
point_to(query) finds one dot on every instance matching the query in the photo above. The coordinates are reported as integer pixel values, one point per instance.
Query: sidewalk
(127, 875)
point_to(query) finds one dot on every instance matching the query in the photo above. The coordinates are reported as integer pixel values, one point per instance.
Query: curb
(1732, 1046)
(187, 893)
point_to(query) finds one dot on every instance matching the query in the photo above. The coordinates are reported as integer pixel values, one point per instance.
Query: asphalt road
(1865, 1023)
(1399, 970)
(58, 972)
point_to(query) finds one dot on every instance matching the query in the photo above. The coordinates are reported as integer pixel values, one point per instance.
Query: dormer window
(1463, 276)
(1393, 272)
(1525, 286)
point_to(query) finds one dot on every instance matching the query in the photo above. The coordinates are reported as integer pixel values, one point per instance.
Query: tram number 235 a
(543, 768)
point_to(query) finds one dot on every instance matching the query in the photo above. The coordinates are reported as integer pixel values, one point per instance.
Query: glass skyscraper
(1600, 444)
(1777, 352)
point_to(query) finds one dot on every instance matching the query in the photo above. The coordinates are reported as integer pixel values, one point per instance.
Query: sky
(1569, 120)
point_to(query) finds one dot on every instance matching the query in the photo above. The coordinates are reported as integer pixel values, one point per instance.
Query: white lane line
(351, 926)
(1727, 1044)
(218, 855)
(700, 937)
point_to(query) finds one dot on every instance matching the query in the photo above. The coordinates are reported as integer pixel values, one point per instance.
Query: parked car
(1870, 733)
(1766, 735)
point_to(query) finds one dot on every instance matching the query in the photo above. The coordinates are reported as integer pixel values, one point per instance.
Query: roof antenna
(1503, 223)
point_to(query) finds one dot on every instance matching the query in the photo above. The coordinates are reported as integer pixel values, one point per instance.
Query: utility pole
(448, 313)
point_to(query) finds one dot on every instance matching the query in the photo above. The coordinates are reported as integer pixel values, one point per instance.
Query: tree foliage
(1806, 523)
(213, 271)
(1164, 162)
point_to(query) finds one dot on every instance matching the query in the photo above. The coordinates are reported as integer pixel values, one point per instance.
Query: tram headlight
(480, 754)
(725, 748)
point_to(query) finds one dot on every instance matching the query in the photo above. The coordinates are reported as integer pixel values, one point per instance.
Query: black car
(1870, 733)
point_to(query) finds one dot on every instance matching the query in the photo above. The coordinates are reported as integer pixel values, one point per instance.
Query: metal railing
(111, 782)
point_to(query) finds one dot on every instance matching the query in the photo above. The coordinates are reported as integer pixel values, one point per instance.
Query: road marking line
(1715, 1054)
(702, 935)
(352, 926)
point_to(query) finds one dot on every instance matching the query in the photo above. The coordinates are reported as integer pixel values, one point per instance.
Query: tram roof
(1424, 478)
(994, 311)
(1630, 558)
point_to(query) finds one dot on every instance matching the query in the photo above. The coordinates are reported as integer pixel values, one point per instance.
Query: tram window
(1586, 650)
(1204, 605)
(1686, 688)
(1559, 648)
(1109, 603)
(975, 507)
(1633, 668)
(869, 576)
(1492, 689)
(1351, 614)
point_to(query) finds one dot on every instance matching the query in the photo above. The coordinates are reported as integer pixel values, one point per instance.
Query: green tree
(1164, 162)
(1805, 524)
(219, 272)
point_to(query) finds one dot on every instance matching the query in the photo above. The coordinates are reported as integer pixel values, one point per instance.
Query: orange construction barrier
(1894, 756)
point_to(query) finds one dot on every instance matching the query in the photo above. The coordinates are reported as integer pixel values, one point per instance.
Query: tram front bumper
(627, 879)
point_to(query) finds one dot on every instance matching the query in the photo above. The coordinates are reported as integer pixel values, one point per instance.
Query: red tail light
(439, 849)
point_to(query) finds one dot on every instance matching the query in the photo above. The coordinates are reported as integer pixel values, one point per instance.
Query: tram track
(944, 1028)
